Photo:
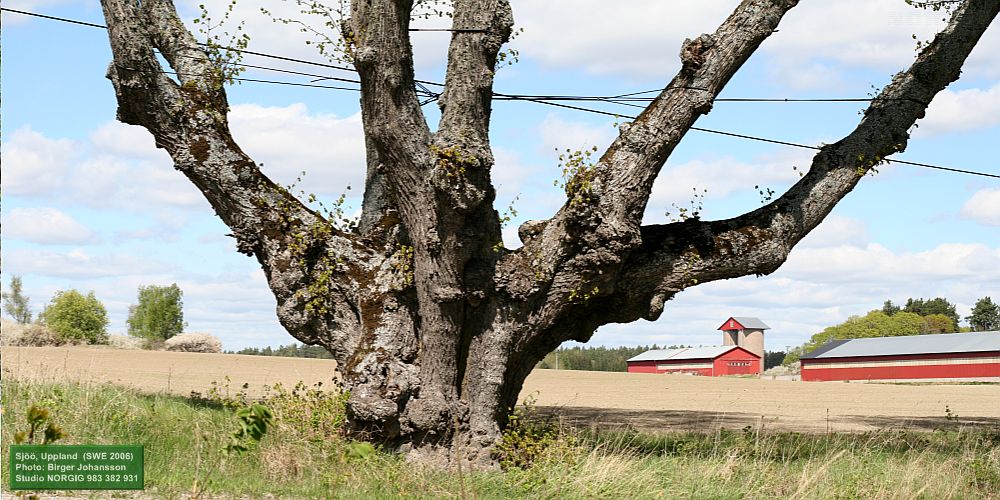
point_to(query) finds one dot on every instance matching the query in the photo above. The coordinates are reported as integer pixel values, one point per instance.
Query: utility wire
(93, 25)
(547, 100)
(63, 19)
(773, 141)
(618, 99)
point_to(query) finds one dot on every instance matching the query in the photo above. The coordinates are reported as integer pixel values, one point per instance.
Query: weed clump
(531, 438)
(194, 342)
(28, 335)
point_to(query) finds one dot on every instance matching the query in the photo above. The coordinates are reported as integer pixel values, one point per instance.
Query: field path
(646, 401)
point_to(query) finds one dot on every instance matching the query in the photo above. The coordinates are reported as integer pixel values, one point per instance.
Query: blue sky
(91, 204)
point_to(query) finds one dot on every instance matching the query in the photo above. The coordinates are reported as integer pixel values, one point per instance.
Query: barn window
(739, 363)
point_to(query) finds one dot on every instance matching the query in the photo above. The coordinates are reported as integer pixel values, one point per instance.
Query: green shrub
(309, 412)
(15, 303)
(76, 317)
(159, 313)
(527, 438)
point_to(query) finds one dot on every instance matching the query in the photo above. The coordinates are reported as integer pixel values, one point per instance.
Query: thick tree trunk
(434, 325)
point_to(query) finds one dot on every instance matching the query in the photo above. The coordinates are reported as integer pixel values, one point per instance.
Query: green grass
(303, 456)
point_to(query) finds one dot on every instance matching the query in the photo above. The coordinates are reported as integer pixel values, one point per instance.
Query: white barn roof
(942, 343)
(685, 353)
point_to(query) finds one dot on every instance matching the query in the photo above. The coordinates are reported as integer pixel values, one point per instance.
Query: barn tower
(747, 333)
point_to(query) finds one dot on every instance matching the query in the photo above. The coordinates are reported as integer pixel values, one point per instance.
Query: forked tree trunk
(434, 325)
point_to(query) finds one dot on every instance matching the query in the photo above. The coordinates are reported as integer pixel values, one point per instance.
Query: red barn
(707, 361)
(941, 356)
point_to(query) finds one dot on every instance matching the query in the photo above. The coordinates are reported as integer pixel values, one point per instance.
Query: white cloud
(559, 134)
(119, 166)
(856, 33)
(721, 177)
(634, 38)
(836, 230)
(877, 265)
(126, 141)
(819, 287)
(957, 111)
(288, 140)
(289, 40)
(34, 164)
(982, 62)
(78, 264)
(11, 18)
(867, 34)
(112, 170)
(817, 42)
(47, 226)
(984, 207)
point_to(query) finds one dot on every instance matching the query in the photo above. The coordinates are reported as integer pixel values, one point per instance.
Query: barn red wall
(722, 363)
(650, 367)
(813, 371)
(901, 357)
(642, 366)
(704, 372)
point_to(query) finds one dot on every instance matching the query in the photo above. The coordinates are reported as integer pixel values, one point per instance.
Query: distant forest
(612, 359)
(600, 359)
(288, 351)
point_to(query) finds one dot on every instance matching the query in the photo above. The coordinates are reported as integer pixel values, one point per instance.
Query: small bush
(194, 342)
(783, 370)
(159, 313)
(31, 335)
(309, 412)
(77, 317)
(153, 344)
(528, 438)
(125, 342)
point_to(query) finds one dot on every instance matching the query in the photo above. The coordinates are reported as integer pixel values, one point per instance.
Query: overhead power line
(774, 141)
(93, 25)
(622, 99)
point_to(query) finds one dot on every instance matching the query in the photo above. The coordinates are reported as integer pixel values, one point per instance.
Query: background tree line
(916, 317)
(288, 351)
(74, 317)
(600, 359)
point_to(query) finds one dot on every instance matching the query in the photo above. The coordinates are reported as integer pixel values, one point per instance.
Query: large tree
(15, 303)
(985, 316)
(434, 325)
(158, 313)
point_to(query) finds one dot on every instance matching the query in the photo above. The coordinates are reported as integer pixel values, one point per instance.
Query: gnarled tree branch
(303, 257)
(579, 252)
(675, 256)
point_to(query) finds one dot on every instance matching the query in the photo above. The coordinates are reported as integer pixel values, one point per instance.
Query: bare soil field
(156, 371)
(656, 403)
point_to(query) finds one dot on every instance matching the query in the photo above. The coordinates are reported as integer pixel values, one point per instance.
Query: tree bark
(433, 324)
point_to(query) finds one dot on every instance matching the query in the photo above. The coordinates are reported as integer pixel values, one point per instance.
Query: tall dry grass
(304, 455)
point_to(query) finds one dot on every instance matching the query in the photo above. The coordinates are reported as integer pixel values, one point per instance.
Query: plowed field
(645, 401)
